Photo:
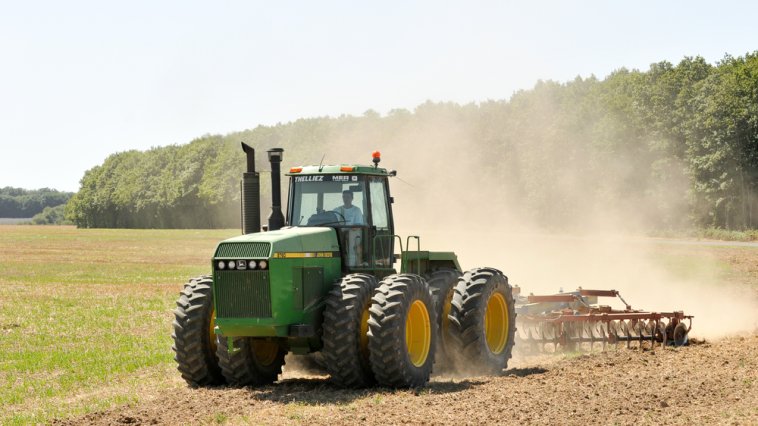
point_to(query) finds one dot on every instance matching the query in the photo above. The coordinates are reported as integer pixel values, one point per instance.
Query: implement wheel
(345, 338)
(194, 339)
(442, 285)
(253, 361)
(402, 331)
(483, 321)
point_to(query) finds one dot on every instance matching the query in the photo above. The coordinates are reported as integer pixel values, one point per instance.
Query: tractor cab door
(382, 233)
(368, 243)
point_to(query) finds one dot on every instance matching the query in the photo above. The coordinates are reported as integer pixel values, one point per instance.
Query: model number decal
(301, 255)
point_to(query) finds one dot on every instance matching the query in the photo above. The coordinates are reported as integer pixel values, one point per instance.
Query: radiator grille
(243, 294)
(244, 250)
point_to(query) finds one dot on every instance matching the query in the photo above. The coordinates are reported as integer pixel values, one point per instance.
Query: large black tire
(482, 321)
(402, 331)
(255, 361)
(442, 285)
(194, 341)
(345, 327)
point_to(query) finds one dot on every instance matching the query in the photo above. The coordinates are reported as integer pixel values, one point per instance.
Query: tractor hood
(288, 242)
(269, 284)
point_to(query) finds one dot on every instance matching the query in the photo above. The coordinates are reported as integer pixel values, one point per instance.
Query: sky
(80, 80)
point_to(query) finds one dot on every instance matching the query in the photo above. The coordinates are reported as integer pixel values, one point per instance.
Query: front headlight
(221, 264)
(262, 264)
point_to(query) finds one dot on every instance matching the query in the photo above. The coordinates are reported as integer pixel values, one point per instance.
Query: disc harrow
(575, 321)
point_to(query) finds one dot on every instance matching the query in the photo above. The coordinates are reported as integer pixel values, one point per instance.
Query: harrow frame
(569, 320)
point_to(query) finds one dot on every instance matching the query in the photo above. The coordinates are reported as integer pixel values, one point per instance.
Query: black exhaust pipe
(276, 219)
(251, 194)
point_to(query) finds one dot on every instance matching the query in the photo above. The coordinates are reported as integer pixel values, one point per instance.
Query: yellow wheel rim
(446, 304)
(364, 332)
(418, 333)
(265, 351)
(496, 323)
(212, 331)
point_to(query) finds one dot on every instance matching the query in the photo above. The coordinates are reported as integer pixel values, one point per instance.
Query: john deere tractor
(326, 281)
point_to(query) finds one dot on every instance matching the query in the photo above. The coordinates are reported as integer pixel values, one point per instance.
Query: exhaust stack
(276, 219)
(251, 194)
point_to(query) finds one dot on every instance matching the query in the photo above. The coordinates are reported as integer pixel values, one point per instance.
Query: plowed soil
(705, 383)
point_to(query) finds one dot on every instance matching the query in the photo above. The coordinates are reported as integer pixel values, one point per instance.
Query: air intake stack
(251, 194)
(276, 219)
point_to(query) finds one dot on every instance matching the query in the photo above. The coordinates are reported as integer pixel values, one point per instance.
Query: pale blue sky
(80, 80)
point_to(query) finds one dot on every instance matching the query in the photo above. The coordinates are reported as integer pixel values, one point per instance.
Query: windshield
(320, 200)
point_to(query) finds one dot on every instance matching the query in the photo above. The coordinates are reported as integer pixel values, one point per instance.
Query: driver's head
(347, 197)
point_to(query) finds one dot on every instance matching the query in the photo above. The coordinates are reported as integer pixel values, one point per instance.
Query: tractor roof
(351, 169)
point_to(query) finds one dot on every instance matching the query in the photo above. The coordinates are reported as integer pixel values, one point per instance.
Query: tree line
(675, 145)
(25, 203)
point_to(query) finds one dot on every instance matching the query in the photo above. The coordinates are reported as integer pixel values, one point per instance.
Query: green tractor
(324, 282)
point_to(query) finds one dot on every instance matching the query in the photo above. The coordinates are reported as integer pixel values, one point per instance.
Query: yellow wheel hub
(446, 306)
(212, 331)
(418, 333)
(364, 333)
(496, 323)
(265, 351)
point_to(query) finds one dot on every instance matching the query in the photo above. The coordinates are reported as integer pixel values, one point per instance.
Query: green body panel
(302, 265)
(422, 262)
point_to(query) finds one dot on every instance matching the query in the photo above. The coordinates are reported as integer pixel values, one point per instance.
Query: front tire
(402, 331)
(194, 339)
(346, 315)
(253, 361)
(483, 321)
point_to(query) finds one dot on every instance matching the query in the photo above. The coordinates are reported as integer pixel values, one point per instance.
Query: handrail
(418, 249)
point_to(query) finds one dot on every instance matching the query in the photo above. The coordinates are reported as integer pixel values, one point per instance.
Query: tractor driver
(352, 214)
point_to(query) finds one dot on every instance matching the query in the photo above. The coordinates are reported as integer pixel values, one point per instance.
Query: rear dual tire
(482, 321)
(442, 284)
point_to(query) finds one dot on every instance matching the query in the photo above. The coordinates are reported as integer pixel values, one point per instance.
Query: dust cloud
(303, 365)
(459, 197)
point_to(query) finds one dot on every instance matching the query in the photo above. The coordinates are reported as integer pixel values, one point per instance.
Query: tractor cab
(353, 200)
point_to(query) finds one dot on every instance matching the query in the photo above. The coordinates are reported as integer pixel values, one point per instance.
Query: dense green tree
(51, 216)
(22, 203)
(722, 147)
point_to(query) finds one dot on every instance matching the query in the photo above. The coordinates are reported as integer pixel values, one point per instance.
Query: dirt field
(706, 383)
(110, 294)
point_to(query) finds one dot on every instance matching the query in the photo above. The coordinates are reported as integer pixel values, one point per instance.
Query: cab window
(379, 209)
(325, 201)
